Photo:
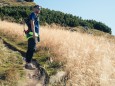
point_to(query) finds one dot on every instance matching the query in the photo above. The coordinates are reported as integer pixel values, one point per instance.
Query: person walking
(32, 35)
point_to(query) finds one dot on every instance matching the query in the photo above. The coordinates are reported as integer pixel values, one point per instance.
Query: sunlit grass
(89, 60)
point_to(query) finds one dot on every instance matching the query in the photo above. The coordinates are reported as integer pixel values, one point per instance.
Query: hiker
(32, 35)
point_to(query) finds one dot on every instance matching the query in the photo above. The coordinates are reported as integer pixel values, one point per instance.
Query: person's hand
(34, 36)
(36, 40)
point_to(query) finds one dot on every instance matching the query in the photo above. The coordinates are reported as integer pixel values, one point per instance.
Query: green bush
(50, 16)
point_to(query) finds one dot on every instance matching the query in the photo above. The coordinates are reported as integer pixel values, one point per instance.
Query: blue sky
(99, 10)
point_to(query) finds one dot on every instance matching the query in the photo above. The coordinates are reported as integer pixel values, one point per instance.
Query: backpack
(28, 24)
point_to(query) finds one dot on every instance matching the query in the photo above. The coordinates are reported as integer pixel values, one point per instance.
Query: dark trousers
(31, 49)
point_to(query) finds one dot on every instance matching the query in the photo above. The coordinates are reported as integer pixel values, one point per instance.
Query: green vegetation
(42, 55)
(29, 0)
(15, 3)
(18, 13)
(11, 66)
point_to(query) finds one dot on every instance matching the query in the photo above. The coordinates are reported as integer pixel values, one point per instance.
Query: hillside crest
(16, 3)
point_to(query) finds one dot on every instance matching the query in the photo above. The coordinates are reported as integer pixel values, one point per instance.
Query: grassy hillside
(16, 37)
(87, 59)
(17, 14)
(11, 66)
(15, 3)
(81, 29)
(12, 71)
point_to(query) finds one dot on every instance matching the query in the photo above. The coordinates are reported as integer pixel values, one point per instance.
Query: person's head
(37, 9)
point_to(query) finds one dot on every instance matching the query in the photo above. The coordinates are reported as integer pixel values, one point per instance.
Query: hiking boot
(29, 66)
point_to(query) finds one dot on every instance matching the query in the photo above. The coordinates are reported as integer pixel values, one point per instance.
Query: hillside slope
(15, 3)
(47, 16)
(87, 60)
(11, 66)
(12, 71)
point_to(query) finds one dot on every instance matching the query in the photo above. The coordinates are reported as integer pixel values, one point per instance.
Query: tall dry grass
(89, 60)
(12, 30)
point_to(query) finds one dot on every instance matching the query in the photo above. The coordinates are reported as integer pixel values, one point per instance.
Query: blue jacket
(36, 21)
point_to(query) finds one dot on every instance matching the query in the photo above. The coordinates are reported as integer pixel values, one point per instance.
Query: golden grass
(89, 60)
(14, 31)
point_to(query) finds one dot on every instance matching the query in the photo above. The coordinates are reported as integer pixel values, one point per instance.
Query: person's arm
(33, 28)
(32, 17)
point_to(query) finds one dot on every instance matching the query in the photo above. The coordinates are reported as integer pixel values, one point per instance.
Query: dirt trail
(36, 77)
(33, 78)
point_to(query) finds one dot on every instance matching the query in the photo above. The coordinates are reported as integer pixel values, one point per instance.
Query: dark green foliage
(29, 0)
(50, 16)
(17, 13)
(100, 26)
